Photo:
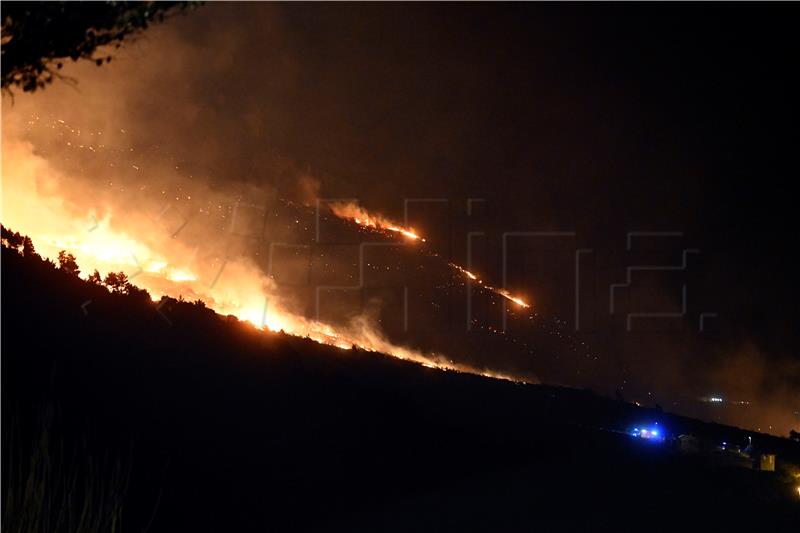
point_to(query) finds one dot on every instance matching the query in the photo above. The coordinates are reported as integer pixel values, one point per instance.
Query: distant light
(647, 434)
(715, 399)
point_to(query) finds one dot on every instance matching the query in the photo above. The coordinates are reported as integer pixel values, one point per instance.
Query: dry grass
(50, 485)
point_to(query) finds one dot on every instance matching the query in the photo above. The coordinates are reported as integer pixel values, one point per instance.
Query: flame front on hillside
(362, 217)
(351, 211)
(165, 266)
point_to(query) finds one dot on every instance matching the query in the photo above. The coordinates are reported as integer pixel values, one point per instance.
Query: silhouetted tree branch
(12, 239)
(67, 263)
(95, 278)
(117, 282)
(38, 36)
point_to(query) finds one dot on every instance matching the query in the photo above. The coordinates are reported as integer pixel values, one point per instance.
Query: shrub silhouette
(117, 282)
(67, 263)
(11, 239)
(95, 278)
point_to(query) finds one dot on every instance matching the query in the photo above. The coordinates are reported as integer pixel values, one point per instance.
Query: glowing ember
(504, 293)
(466, 272)
(408, 233)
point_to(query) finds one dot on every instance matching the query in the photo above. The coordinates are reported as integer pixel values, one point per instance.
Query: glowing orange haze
(162, 265)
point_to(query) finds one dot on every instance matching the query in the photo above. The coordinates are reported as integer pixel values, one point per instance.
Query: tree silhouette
(136, 293)
(95, 278)
(38, 36)
(117, 282)
(27, 247)
(67, 263)
(11, 239)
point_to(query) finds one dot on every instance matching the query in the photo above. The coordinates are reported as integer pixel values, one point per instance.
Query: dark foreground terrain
(181, 420)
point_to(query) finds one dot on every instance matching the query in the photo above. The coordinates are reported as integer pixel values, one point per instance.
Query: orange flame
(163, 266)
(351, 211)
(359, 215)
(517, 300)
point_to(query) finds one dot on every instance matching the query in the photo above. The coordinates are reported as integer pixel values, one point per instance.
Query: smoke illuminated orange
(164, 266)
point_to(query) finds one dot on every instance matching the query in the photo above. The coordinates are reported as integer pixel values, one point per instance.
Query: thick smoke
(137, 169)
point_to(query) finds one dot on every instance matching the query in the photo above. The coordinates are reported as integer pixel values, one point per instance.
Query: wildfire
(359, 215)
(466, 272)
(407, 232)
(243, 292)
(145, 249)
(517, 300)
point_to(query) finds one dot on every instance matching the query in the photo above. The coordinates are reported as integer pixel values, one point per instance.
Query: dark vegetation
(52, 484)
(190, 421)
(37, 37)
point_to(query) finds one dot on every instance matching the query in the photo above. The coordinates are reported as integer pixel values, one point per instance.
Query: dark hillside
(225, 428)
